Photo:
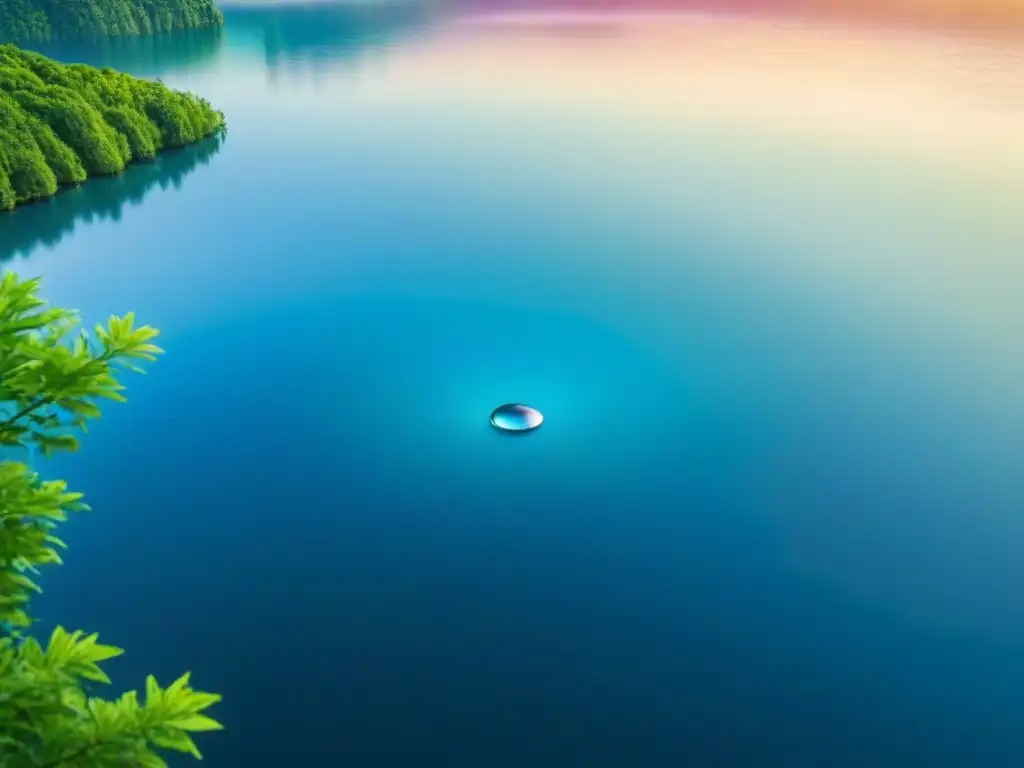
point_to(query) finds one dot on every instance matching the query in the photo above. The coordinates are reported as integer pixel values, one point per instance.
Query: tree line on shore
(61, 123)
(41, 20)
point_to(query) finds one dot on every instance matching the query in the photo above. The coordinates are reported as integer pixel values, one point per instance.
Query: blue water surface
(774, 516)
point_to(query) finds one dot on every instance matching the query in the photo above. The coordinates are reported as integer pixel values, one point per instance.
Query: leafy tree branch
(52, 375)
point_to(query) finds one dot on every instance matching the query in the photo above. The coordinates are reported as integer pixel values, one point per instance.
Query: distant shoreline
(318, 3)
(1001, 18)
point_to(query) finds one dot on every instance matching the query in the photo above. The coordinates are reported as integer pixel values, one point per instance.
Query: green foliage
(52, 375)
(41, 20)
(61, 123)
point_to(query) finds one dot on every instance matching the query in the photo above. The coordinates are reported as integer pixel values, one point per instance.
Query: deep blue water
(773, 516)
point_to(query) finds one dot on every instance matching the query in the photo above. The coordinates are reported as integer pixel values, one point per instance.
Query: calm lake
(763, 280)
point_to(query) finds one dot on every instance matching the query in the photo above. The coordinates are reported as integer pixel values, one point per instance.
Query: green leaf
(98, 653)
(93, 674)
(149, 760)
(179, 741)
(178, 687)
(24, 581)
(196, 723)
(154, 696)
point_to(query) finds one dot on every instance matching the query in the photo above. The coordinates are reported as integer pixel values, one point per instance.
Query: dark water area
(46, 223)
(773, 515)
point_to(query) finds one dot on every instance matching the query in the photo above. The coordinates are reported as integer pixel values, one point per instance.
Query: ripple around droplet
(513, 417)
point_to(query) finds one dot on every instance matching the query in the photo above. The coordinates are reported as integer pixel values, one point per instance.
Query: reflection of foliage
(142, 55)
(53, 376)
(320, 32)
(48, 222)
(38, 20)
(60, 124)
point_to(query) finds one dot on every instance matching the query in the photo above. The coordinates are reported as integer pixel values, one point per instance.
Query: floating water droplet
(513, 417)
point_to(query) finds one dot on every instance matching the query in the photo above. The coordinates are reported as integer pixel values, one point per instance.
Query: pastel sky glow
(941, 97)
(987, 14)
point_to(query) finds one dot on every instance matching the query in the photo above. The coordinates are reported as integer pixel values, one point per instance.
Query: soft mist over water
(762, 278)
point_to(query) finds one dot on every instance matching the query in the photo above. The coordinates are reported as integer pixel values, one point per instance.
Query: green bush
(51, 377)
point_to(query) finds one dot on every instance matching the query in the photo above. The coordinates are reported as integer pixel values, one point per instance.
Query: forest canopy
(61, 123)
(41, 20)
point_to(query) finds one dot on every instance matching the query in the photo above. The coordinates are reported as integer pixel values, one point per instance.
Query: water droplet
(513, 417)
